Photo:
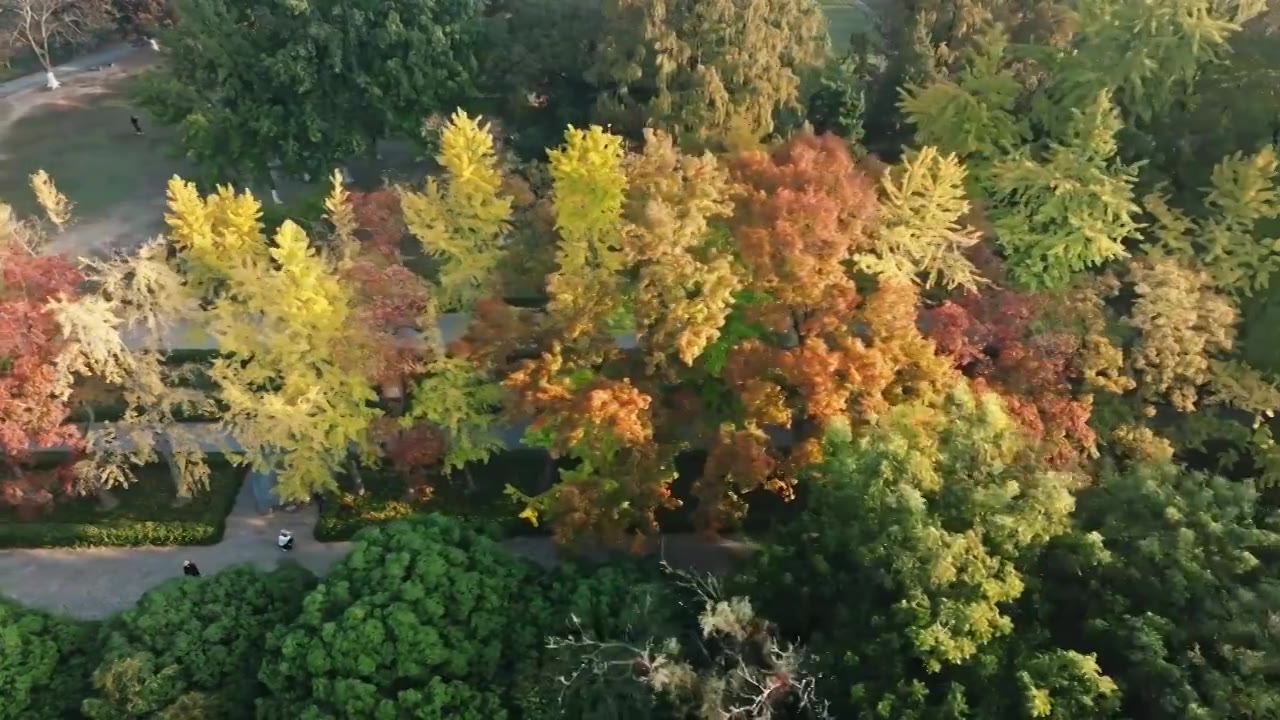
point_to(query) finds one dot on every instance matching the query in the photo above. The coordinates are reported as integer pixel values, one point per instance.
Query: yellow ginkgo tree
(293, 372)
(921, 236)
(119, 337)
(686, 275)
(463, 219)
(589, 189)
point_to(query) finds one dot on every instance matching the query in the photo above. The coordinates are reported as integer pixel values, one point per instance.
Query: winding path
(69, 69)
(92, 583)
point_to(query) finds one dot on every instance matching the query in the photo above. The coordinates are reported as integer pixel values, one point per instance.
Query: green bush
(424, 619)
(44, 663)
(191, 648)
(146, 515)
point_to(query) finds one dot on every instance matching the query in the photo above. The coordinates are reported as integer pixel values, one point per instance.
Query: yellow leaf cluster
(56, 206)
(458, 398)
(340, 214)
(686, 281)
(1182, 324)
(1227, 241)
(294, 379)
(922, 201)
(465, 220)
(589, 189)
(214, 234)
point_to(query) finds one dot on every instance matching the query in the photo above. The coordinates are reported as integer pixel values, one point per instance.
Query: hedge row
(146, 516)
(527, 470)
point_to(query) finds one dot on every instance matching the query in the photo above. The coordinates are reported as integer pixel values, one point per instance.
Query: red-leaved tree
(33, 393)
(1000, 338)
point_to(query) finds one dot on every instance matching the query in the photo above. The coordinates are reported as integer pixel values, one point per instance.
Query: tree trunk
(354, 468)
(40, 46)
(106, 501)
(273, 177)
(175, 472)
(471, 479)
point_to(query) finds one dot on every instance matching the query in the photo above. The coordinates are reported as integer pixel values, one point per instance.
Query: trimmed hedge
(145, 516)
(526, 469)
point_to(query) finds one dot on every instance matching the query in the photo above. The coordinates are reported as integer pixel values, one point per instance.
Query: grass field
(81, 136)
(844, 18)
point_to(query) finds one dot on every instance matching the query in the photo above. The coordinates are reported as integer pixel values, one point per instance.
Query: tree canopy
(418, 620)
(970, 329)
(307, 85)
(191, 647)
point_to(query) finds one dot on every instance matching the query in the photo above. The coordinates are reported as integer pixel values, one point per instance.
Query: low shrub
(146, 515)
(350, 513)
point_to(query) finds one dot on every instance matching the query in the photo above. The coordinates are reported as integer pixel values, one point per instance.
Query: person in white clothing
(285, 540)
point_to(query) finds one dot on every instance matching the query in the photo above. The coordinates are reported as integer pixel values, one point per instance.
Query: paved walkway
(95, 582)
(71, 68)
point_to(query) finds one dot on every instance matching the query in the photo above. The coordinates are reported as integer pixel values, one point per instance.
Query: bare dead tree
(737, 670)
(38, 25)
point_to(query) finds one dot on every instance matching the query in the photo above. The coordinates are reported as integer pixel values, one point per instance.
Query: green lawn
(843, 18)
(81, 136)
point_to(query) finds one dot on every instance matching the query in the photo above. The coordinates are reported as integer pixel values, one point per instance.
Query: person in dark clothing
(137, 126)
(189, 569)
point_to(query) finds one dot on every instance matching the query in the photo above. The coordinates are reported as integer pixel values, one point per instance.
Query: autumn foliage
(743, 304)
(992, 337)
(34, 388)
(804, 210)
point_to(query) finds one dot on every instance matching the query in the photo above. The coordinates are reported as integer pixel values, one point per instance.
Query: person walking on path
(285, 540)
(137, 126)
(189, 569)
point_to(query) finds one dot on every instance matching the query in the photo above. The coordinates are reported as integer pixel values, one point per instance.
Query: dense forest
(982, 299)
